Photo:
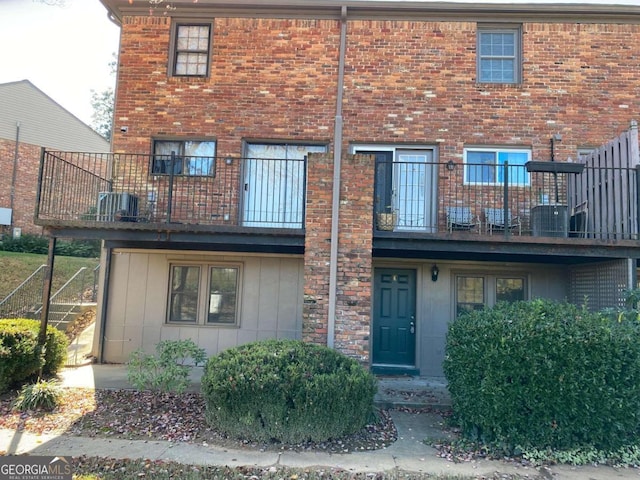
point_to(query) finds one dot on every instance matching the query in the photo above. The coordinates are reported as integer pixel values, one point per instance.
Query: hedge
(542, 374)
(287, 391)
(20, 356)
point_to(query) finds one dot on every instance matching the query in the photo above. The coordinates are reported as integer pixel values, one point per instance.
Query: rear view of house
(356, 173)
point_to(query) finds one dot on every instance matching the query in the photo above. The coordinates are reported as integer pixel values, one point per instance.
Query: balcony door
(406, 184)
(274, 185)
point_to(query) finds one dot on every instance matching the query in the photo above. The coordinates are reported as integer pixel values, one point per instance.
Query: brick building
(341, 172)
(30, 120)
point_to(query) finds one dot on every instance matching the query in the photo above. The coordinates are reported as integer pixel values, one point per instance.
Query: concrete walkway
(409, 453)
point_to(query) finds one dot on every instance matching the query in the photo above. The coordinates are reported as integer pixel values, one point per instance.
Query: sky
(64, 51)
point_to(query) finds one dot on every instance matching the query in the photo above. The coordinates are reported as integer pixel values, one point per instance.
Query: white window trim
(203, 292)
(356, 148)
(496, 150)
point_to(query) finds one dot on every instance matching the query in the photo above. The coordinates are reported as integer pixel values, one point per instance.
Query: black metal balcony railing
(507, 199)
(127, 191)
(109, 188)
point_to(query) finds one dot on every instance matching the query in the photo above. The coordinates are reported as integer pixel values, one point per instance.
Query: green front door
(394, 312)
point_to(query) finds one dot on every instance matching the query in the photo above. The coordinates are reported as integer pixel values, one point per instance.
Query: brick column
(353, 308)
(317, 248)
(353, 301)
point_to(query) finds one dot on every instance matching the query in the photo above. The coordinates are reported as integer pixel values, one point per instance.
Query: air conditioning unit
(549, 221)
(117, 207)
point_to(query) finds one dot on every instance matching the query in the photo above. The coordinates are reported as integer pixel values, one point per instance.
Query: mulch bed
(133, 414)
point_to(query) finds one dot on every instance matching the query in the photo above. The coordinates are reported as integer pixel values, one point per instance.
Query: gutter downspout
(14, 174)
(106, 280)
(337, 167)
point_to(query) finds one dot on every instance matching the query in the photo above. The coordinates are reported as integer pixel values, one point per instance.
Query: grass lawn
(16, 267)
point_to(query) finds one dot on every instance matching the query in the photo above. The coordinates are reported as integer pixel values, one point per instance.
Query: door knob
(412, 327)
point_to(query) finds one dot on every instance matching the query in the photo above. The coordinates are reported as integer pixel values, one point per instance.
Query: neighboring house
(340, 172)
(30, 120)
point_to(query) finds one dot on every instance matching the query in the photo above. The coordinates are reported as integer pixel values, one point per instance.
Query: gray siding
(43, 122)
(435, 301)
(270, 303)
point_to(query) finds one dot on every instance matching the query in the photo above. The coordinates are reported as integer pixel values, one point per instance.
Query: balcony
(432, 207)
(145, 197)
(505, 211)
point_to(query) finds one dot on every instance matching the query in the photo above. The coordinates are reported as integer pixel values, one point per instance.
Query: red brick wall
(405, 82)
(317, 249)
(26, 185)
(415, 82)
(353, 306)
(410, 83)
(270, 79)
(354, 272)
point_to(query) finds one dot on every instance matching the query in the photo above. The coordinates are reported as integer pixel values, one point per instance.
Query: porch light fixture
(228, 160)
(434, 273)
(450, 165)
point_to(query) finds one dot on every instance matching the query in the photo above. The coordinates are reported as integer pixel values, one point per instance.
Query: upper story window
(191, 157)
(486, 166)
(191, 50)
(498, 53)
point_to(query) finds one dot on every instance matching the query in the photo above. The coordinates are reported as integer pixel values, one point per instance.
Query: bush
(286, 391)
(545, 375)
(43, 395)
(40, 245)
(26, 244)
(20, 356)
(169, 370)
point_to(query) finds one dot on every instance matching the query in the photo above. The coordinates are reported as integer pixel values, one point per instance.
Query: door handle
(412, 328)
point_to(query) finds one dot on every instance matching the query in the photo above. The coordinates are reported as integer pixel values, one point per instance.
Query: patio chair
(461, 218)
(494, 218)
(578, 220)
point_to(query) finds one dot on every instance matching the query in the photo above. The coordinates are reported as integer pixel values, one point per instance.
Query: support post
(46, 295)
(505, 202)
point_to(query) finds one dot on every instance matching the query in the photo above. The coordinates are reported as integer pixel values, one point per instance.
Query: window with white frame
(204, 294)
(498, 54)
(406, 184)
(191, 49)
(474, 292)
(491, 166)
(184, 157)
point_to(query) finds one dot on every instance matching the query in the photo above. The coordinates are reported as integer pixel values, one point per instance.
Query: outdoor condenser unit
(117, 207)
(549, 221)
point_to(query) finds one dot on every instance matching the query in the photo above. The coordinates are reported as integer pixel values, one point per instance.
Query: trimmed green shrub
(169, 370)
(542, 374)
(20, 356)
(286, 391)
